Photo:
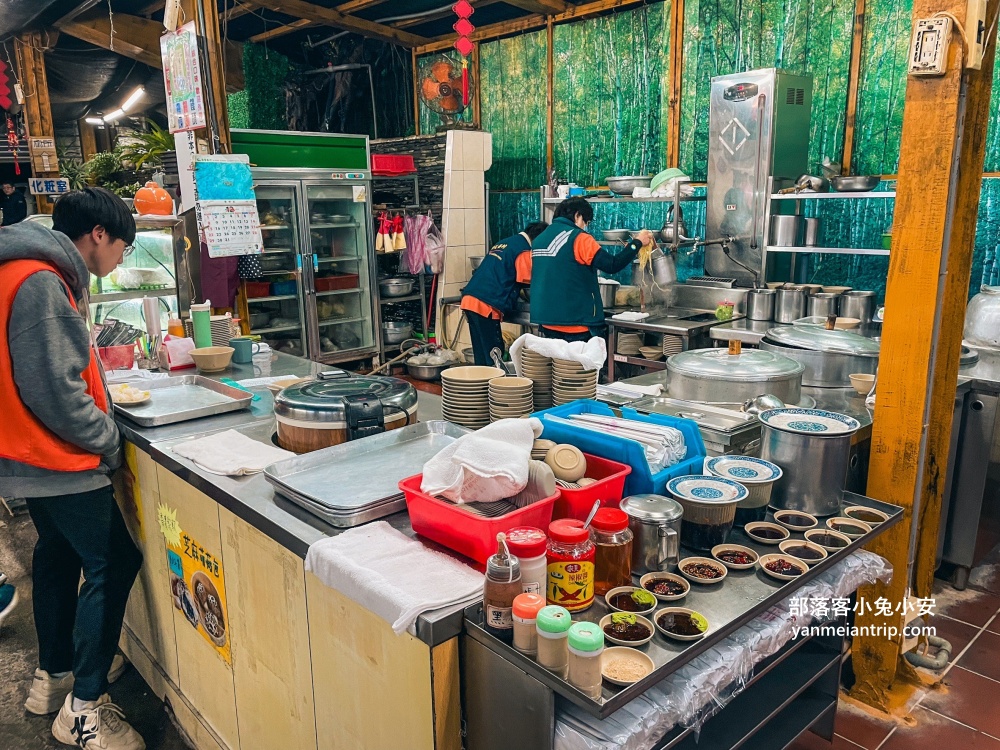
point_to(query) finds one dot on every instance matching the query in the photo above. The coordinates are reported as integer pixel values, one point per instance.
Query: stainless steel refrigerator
(314, 295)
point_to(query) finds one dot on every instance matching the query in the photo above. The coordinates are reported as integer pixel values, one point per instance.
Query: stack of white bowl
(465, 395)
(510, 398)
(628, 344)
(539, 370)
(672, 344)
(571, 382)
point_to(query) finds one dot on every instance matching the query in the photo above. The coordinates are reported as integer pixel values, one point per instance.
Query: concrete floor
(20, 730)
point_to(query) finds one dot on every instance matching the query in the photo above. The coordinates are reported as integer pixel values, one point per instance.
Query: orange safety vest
(24, 438)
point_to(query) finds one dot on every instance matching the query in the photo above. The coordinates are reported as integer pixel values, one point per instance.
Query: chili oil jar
(570, 565)
(613, 550)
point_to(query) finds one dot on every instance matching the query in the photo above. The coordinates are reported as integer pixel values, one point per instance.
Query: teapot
(667, 231)
(152, 200)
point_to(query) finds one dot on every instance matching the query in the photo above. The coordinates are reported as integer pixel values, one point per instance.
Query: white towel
(630, 316)
(630, 389)
(591, 354)
(392, 575)
(487, 465)
(230, 453)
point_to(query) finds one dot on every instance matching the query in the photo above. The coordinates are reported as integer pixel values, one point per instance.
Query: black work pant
(486, 336)
(79, 626)
(548, 333)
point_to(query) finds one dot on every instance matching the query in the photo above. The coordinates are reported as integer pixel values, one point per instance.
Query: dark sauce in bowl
(873, 519)
(766, 533)
(828, 540)
(848, 528)
(803, 552)
(665, 587)
(624, 631)
(626, 603)
(680, 623)
(794, 519)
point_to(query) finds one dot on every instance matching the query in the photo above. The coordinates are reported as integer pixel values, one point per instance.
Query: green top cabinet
(290, 149)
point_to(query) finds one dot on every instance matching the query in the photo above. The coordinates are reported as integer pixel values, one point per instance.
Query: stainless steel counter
(985, 373)
(752, 331)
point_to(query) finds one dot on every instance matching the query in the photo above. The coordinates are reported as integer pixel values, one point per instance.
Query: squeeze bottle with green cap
(552, 624)
(503, 583)
(201, 318)
(586, 644)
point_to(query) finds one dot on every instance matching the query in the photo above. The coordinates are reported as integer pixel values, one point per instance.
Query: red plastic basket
(117, 357)
(393, 164)
(257, 289)
(465, 532)
(337, 281)
(608, 488)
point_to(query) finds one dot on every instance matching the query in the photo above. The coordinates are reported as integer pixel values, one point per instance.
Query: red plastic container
(464, 532)
(393, 164)
(257, 289)
(337, 281)
(117, 357)
(610, 485)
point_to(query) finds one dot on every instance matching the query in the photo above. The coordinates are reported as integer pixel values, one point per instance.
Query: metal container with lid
(655, 522)
(789, 303)
(829, 357)
(319, 413)
(716, 376)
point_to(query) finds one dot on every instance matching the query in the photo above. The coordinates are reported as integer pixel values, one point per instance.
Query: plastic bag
(435, 247)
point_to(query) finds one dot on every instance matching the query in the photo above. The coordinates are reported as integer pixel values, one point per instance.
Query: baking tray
(184, 397)
(356, 482)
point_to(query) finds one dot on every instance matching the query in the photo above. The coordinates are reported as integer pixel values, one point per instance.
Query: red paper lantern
(464, 28)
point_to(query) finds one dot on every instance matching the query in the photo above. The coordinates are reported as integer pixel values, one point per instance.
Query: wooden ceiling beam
(77, 9)
(437, 16)
(336, 19)
(150, 8)
(302, 23)
(353, 6)
(545, 7)
(240, 8)
(530, 23)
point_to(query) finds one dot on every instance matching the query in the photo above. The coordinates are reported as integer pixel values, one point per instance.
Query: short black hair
(570, 207)
(536, 228)
(79, 211)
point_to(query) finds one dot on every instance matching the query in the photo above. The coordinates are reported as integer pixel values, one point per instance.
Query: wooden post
(477, 102)
(416, 91)
(88, 141)
(676, 73)
(549, 100)
(213, 66)
(30, 60)
(853, 85)
(934, 225)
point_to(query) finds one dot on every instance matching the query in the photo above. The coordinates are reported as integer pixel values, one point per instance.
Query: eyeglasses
(129, 249)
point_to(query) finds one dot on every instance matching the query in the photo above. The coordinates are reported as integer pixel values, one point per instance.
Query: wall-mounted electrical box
(929, 46)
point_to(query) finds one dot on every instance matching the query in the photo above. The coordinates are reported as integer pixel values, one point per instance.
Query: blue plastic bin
(641, 480)
(285, 287)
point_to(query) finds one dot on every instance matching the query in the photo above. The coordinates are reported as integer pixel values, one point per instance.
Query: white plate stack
(571, 382)
(510, 398)
(672, 344)
(628, 344)
(465, 395)
(539, 370)
(222, 330)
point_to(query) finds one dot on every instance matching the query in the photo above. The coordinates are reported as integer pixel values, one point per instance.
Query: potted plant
(153, 148)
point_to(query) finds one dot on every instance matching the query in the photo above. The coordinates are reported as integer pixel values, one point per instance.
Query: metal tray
(711, 417)
(355, 482)
(184, 397)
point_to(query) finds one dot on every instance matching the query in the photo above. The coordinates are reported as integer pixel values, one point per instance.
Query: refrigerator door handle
(315, 263)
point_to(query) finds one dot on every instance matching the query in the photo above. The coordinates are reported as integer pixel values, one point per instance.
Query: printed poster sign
(182, 79)
(48, 185)
(43, 154)
(197, 586)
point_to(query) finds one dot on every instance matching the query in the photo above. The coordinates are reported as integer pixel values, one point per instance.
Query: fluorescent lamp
(116, 115)
(94, 121)
(133, 98)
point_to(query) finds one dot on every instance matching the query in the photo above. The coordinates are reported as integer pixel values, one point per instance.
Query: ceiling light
(94, 121)
(116, 115)
(133, 98)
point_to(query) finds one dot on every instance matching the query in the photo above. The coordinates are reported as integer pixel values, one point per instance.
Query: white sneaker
(101, 727)
(47, 693)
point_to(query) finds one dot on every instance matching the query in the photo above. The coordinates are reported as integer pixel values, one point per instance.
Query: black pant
(78, 631)
(548, 333)
(486, 336)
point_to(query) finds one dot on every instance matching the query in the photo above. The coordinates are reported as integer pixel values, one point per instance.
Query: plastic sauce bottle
(586, 644)
(570, 565)
(526, 608)
(613, 557)
(503, 584)
(529, 544)
(552, 625)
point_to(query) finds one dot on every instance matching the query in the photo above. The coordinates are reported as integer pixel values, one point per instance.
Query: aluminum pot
(789, 304)
(664, 270)
(609, 288)
(786, 231)
(760, 304)
(810, 232)
(395, 332)
(815, 464)
(655, 522)
(824, 369)
(823, 304)
(858, 304)
(395, 287)
(713, 376)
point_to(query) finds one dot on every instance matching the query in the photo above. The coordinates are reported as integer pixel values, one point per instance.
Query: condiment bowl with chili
(782, 567)
(626, 629)
(667, 587)
(766, 532)
(850, 527)
(680, 623)
(702, 570)
(807, 552)
(869, 516)
(632, 599)
(831, 541)
(735, 556)
(796, 520)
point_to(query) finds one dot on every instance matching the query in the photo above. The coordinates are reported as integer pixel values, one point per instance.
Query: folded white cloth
(487, 465)
(630, 316)
(230, 453)
(392, 575)
(630, 389)
(591, 354)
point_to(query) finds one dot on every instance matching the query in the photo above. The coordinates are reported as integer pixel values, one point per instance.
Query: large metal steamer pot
(829, 357)
(713, 376)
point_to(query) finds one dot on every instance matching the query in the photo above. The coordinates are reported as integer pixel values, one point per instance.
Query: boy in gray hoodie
(58, 446)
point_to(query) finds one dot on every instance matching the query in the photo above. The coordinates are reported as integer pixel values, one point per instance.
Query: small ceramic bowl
(567, 462)
(585, 482)
(869, 516)
(721, 548)
(836, 289)
(795, 562)
(801, 550)
(608, 597)
(715, 564)
(862, 382)
(851, 527)
(760, 526)
(607, 619)
(698, 618)
(622, 653)
(787, 518)
(650, 578)
(830, 540)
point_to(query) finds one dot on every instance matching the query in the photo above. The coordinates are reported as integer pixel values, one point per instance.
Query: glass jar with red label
(570, 564)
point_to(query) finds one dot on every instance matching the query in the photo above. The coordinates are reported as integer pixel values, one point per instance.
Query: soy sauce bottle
(503, 583)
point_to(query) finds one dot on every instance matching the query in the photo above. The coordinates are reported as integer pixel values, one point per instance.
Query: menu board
(230, 228)
(182, 79)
